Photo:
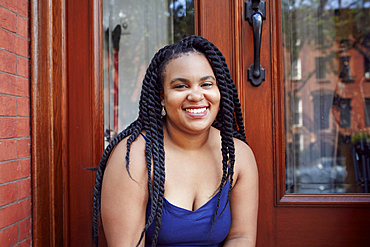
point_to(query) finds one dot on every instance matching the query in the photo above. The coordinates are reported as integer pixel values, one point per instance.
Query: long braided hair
(229, 122)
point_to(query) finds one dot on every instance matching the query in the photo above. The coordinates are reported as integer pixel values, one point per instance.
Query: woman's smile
(196, 112)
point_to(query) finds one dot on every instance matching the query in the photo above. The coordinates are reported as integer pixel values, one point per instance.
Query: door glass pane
(133, 31)
(326, 55)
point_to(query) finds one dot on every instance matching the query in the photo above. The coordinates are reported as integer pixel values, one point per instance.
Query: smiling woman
(191, 179)
(191, 96)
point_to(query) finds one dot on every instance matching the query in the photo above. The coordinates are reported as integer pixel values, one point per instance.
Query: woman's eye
(180, 86)
(207, 84)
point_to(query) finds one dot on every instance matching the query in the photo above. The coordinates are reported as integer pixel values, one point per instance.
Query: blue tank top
(182, 227)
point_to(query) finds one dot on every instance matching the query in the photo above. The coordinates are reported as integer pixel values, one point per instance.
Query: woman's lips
(196, 112)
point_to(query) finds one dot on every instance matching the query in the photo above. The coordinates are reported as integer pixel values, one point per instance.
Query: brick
(23, 127)
(22, 27)
(8, 127)
(21, 45)
(22, 87)
(23, 7)
(14, 170)
(8, 194)
(22, 67)
(14, 127)
(11, 84)
(15, 212)
(8, 20)
(23, 107)
(18, 6)
(8, 41)
(9, 236)
(8, 106)
(24, 188)
(8, 62)
(24, 229)
(8, 151)
(7, 83)
(24, 148)
(26, 243)
(9, 4)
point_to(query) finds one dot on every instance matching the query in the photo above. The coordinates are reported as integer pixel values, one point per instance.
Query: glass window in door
(326, 53)
(133, 31)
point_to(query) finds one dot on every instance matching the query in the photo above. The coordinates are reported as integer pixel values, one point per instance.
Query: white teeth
(199, 110)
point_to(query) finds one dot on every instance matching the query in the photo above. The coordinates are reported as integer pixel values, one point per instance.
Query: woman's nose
(196, 94)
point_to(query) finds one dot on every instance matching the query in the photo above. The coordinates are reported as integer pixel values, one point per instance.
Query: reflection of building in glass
(366, 44)
(328, 104)
(345, 113)
(345, 72)
(367, 111)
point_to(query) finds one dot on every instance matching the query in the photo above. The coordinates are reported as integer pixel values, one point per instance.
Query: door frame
(48, 121)
(53, 26)
(52, 131)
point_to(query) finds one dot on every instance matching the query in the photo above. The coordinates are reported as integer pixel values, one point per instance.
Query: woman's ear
(162, 98)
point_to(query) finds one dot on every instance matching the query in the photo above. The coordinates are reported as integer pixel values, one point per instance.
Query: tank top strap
(143, 136)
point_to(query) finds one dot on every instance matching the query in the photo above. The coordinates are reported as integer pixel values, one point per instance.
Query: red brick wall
(15, 165)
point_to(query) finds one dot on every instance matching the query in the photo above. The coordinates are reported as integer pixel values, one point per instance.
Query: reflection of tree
(352, 26)
(183, 19)
(323, 25)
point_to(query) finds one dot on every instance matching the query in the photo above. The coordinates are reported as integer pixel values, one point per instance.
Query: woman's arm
(124, 199)
(244, 199)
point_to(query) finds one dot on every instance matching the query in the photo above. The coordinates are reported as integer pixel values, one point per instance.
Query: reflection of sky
(176, 4)
(331, 4)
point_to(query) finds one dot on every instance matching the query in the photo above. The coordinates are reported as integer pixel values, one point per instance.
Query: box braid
(229, 121)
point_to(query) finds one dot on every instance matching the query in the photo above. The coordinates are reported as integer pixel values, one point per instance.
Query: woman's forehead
(189, 64)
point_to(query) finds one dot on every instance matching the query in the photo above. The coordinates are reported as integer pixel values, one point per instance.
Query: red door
(308, 122)
(296, 123)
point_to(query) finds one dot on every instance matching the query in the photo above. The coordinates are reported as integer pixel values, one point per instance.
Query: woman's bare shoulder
(137, 162)
(125, 194)
(244, 158)
(242, 148)
(244, 198)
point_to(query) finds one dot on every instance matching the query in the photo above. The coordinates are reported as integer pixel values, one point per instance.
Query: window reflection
(326, 48)
(134, 30)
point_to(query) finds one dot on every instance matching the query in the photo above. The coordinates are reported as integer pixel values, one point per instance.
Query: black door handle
(255, 13)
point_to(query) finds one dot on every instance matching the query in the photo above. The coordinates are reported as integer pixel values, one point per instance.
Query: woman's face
(191, 96)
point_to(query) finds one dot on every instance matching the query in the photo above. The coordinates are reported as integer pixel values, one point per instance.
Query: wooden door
(318, 214)
(308, 217)
(67, 122)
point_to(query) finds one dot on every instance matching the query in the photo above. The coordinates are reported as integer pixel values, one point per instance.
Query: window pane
(326, 54)
(134, 30)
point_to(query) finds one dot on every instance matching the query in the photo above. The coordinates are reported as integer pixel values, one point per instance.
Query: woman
(182, 173)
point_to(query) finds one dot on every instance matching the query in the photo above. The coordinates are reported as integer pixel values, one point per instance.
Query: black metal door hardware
(255, 13)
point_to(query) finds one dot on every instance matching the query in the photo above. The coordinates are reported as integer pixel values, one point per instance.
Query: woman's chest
(182, 227)
(191, 183)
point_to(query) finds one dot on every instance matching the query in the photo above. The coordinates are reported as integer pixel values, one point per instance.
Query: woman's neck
(184, 140)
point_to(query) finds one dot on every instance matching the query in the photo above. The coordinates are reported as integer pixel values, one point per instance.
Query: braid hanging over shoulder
(229, 121)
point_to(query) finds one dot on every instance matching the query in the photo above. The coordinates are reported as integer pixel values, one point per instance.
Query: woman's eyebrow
(204, 78)
(178, 79)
